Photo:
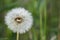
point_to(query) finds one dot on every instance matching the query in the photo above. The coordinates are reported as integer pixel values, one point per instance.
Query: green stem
(34, 35)
(40, 10)
(43, 29)
(45, 14)
(17, 36)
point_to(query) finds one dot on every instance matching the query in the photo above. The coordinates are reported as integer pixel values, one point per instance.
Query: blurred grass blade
(42, 29)
(34, 34)
(45, 17)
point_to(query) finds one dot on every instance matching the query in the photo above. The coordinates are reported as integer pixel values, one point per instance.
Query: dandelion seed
(19, 20)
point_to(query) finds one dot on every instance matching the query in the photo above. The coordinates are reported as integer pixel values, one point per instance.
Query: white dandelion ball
(19, 20)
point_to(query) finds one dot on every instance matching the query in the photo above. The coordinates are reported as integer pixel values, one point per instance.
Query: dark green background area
(53, 14)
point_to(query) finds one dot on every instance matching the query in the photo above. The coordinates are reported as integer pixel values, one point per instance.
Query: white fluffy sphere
(19, 20)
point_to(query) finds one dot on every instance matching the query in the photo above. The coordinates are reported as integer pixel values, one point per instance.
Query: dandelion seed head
(19, 20)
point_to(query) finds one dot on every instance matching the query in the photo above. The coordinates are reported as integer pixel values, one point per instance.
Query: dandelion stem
(17, 36)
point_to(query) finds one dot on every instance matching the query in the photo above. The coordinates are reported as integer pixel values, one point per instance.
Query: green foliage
(45, 15)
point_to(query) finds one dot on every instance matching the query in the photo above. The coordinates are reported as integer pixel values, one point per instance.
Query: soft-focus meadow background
(46, 14)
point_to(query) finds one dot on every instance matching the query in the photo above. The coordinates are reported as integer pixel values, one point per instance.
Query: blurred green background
(36, 7)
